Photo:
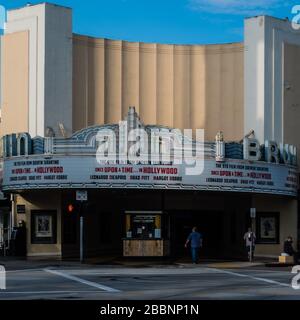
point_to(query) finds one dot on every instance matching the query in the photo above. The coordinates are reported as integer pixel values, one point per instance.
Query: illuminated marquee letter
(251, 149)
(271, 152)
(106, 151)
(285, 153)
(193, 152)
(123, 142)
(177, 146)
(293, 154)
(23, 144)
(165, 146)
(138, 145)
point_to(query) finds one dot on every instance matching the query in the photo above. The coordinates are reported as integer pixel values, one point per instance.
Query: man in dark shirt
(196, 242)
(288, 249)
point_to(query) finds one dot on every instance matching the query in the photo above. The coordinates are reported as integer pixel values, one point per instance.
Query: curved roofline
(158, 43)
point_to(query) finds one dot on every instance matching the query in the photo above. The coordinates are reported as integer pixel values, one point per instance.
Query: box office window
(144, 226)
(43, 226)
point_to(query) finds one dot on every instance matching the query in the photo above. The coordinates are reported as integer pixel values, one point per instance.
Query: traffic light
(70, 208)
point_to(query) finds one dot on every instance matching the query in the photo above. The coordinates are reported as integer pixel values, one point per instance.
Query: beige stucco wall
(287, 207)
(178, 86)
(291, 116)
(41, 200)
(15, 69)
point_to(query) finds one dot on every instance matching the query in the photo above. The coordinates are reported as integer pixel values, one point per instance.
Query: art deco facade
(56, 84)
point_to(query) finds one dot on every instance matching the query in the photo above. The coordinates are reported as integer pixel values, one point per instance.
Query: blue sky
(166, 21)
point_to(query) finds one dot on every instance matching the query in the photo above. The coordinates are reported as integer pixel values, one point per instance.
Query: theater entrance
(222, 236)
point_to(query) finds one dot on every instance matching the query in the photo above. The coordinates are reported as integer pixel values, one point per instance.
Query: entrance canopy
(40, 172)
(152, 157)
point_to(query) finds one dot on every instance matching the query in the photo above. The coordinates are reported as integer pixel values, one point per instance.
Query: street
(169, 282)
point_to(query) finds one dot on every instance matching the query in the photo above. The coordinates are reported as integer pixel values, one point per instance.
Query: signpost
(81, 195)
(253, 216)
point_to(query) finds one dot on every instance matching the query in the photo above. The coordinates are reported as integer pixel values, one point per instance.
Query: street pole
(12, 216)
(81, 234)
(252, 216)
(81, 239)
(250, 258)
(81, 195)
(252, 240)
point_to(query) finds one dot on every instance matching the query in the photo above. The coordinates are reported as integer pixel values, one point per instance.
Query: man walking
(250, 238)
(196, 242)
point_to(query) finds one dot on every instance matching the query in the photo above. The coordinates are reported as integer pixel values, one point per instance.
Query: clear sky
(166, 21)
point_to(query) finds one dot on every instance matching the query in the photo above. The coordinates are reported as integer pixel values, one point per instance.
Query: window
(143, 226)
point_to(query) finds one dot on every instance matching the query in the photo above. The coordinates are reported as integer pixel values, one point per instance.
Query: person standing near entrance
(289, 249)
(196, 242)
(250, 238)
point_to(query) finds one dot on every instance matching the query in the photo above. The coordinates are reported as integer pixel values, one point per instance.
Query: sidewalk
(12, 263)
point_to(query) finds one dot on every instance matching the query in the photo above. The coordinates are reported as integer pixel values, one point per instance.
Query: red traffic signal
(70, 208)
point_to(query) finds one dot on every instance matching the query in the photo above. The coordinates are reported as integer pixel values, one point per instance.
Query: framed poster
(267, 226)
(21, 209)
(43, 226)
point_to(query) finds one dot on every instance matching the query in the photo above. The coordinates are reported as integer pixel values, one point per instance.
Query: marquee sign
(73, 171)
(74, 162)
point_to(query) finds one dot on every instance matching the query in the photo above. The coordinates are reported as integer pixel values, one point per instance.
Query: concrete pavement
(211, 280)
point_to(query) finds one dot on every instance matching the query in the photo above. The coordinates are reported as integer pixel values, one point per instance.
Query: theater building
(61, 91)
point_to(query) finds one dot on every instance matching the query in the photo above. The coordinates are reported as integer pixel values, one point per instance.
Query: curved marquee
(43, 172)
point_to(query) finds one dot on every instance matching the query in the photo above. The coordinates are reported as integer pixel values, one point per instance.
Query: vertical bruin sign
(2, 278)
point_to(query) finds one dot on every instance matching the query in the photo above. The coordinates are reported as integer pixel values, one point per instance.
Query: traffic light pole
(81, 238)
(81, 195)
(81, 234)
(252, 239)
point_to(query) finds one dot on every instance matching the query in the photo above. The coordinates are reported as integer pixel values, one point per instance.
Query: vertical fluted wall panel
(172, 85)
(148, 87)
(213, 93)
(130, 76)
(113, 81)
(198, 87)
(165, 84)
(181, 87)
(96, 91)
(80, 86)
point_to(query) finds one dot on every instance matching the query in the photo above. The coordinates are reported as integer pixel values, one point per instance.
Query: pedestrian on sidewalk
(289, 249)
(250, 239)
(195, 238)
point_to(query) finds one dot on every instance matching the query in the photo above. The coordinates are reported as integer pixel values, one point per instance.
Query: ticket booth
(146, 234)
